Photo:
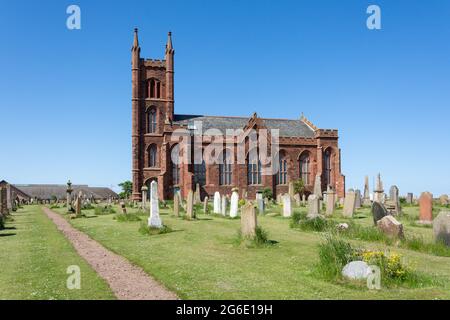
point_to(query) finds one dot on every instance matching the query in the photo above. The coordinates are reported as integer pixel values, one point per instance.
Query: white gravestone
(154, 220)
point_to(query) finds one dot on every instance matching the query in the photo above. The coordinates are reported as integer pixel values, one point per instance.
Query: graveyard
(201, 256)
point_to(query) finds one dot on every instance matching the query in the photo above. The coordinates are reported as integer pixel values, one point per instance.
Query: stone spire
(170, 53)
(169, 47)
(136, 41)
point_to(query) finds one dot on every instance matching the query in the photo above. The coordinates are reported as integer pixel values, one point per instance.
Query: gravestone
(297, 200)
(176, 205)
(349, 204)
(426, 207)
(144, 190)
(331, 201)
(395, 198)
(78, 206)
(3, 205)
(391, 227)
(287, 206)
(190, 206)
(358, 203)
(224, 205)
(260, 202)
(313, 206)
(378, 212)
(366, 200)
(249, 221)
(304, 200)
(279, 199)
(356, 270)
(234, 205)
(318, 187)
(409, 198)
(291, 189)
(217, 209)
(197, 198)
(443, 199)
(154, 220)
(441, 228)
(205, 205)
(379, 191)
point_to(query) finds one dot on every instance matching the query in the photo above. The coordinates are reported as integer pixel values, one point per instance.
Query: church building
(304, 150)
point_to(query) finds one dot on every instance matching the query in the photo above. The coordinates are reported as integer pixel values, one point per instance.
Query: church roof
(288, 128)
(48, 191)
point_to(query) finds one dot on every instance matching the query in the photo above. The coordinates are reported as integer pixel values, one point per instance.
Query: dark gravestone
(378, 212)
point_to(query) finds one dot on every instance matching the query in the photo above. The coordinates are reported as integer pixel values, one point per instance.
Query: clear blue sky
(65, 95)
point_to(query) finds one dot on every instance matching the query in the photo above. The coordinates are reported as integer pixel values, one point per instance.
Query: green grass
(199, 259)
(34, 258)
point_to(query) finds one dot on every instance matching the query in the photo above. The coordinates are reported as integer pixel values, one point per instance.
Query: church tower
(153, 111)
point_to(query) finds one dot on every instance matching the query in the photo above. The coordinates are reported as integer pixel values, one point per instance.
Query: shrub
(260, 239)
(242, 202)
(54, 206)
(267, 193)
(129, 217)
(147, 230)
(316, 224)
(334, 254)
(87, 206)
(104, 210)
(296, 218)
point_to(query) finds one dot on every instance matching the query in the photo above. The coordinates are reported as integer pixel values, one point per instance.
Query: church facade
(303, 151)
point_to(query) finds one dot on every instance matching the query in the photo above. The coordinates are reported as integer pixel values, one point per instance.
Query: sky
(65, 95)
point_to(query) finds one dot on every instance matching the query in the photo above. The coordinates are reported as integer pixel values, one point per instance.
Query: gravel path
(127, 281)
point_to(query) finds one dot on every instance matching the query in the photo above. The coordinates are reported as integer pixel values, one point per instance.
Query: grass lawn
(200, 260)
(34, 258)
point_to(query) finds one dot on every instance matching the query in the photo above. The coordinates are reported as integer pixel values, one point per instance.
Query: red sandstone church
(304, 150)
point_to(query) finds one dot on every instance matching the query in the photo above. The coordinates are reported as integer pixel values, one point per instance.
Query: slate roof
(288, 128)
(48, 191)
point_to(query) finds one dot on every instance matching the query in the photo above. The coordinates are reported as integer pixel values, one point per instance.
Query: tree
(299, 187)
(127, 189)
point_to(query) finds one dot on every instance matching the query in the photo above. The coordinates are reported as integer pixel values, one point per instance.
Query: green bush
(104, 210)
(87, 206)
(260, 239)
(296, 218)
(267, 193)
(129, 217)
(146, 230)
(334, 254)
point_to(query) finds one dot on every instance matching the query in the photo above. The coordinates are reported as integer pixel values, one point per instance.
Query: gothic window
(225, 171)
(281, 177)
(200, 173)
(152, 124)
(154, 89)
(327, 167)
(254, 170)
(175, 159)
(305, 168)
(152, 156)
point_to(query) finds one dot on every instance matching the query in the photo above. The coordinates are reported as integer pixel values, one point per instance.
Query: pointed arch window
(152, 156)
(152, 123)
(175, 160)
(153, 89)
(282, 175)
(327, 167)
(225, 171)
(254, 170)
(305, 168)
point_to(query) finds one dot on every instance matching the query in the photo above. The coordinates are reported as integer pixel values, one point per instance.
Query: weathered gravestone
(395, 199)
(249, 221)
(123, 207)
(298, 201)
(426, 208)
(144, 191)
(313, 206)
(318, 187)
(154, 220)
(443, 199)
(287, 206)
(349, 204)
(291, 189)
(176, 205)
(391, 227)
(409, 198)
(331, 200)
(260, 202)
(303, 199)
(217, 209)
(3, 205)
(378, 212)
(190, 214)
(197, 198)
(234, 204)
(205, 205)
(78, 206)
(279, 199)
(378, 195)
(224, 205)
(441, 228)
(366, 200)
(358, 203)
